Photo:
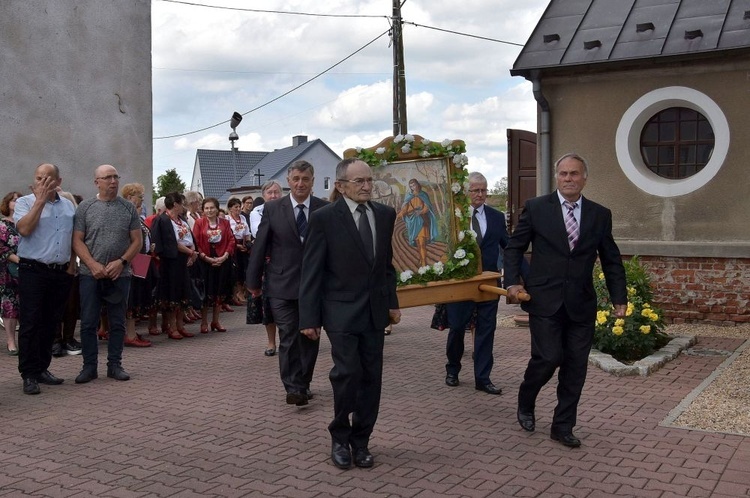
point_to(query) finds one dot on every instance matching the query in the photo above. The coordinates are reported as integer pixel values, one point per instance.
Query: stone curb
(647, 365)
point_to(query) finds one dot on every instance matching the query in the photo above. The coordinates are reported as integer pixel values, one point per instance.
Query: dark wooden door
(521, 172)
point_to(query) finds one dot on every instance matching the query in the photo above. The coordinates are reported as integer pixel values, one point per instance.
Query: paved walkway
(206, 417)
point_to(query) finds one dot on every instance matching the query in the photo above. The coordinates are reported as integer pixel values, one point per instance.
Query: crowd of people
(112, 265)
(300, 264)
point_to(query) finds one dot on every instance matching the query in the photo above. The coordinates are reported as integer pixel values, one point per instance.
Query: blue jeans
(91, 305)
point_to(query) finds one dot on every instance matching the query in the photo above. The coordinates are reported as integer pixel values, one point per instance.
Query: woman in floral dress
(9, 270)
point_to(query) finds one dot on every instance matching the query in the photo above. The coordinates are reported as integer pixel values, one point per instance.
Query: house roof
(274, 162)
(583, 32)
(217, 168)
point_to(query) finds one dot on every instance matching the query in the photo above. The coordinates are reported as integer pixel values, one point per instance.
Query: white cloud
(211, 62)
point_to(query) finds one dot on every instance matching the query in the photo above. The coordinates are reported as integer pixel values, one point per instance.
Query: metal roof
(220, 169)
(583, 32)
(273, 165)
(275, 162)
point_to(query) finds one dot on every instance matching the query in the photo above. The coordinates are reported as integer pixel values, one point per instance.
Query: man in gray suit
(281, 237)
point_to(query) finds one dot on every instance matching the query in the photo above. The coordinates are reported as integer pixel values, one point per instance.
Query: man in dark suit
(349, 287)
(282, 235)
(567, 232)
(489, 225)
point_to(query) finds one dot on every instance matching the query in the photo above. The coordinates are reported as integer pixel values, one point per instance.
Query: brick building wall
(708, 290)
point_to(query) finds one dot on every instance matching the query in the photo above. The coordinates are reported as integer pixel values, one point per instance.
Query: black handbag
(197, 293)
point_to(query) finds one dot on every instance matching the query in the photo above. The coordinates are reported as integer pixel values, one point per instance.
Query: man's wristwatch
(124, 262)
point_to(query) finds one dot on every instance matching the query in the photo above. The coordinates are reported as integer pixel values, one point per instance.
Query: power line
(202, 70)
(311, 14)
(285, 93)
(464, 34)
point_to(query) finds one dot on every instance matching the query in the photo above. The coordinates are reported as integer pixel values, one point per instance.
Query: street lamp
(234, 123)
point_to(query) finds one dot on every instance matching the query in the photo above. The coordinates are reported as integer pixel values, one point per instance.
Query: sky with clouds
(209, 62)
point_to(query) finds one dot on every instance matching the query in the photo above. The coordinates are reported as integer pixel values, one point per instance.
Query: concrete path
(206, 417)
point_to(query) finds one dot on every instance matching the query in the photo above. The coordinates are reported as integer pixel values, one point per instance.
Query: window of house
(327, 183)
(677, 142)
(672, 141)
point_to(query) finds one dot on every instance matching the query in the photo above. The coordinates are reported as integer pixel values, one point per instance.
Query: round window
(672, 141)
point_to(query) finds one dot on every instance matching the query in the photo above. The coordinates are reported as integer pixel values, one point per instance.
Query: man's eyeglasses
(109, 178)
(478, 191)
(359, 182)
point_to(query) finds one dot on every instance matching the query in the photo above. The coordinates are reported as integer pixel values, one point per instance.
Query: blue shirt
(50, 242)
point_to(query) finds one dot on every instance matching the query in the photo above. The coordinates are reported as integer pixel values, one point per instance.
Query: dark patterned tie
(365, 231)
(301, 222)
(571, 224)
(475, 226)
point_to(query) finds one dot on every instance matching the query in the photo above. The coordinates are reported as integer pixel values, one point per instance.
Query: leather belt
(49, 266)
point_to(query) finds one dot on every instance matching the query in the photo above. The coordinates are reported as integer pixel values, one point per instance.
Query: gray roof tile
(220, 169)
(577, 32)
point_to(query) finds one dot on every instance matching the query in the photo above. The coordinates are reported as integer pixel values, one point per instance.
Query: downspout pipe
(545, 166)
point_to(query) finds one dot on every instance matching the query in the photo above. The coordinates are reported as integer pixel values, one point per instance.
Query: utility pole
(399, 73)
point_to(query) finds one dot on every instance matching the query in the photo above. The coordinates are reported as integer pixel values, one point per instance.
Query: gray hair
(343, 166)
(192, 196)
(300, 166)
(159, 204)
(573, 155)
(269, 184)
(477, 177)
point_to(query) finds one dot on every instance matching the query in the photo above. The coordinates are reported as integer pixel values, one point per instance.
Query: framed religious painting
(425, 182)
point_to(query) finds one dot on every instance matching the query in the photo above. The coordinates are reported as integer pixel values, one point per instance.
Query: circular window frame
(628, 140)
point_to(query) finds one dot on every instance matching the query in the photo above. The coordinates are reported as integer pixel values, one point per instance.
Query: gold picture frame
(433, 240)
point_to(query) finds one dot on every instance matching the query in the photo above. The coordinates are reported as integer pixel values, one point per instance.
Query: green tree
(170, 181)
(499, 193)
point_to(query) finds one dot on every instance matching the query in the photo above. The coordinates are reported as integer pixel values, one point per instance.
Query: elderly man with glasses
(492, 236)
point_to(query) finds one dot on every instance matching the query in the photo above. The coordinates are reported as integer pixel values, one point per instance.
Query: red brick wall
(708, 290)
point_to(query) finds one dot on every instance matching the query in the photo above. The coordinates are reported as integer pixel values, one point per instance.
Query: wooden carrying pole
(522, 296)
(482, 287)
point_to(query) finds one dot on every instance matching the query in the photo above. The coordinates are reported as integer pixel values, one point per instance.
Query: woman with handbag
(214, 241)
(173, 243)
(140, 300)
(241, 231)
(258, 308)
(9, 270)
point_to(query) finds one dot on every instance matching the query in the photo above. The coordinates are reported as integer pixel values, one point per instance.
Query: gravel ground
(724, 406)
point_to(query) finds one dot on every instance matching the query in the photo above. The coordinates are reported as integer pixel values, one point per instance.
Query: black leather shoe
(567, 439)
(294, 398)
(451, 380)
(117, 372)
(341, 456)
(57, 350)
(526, 419)
(31, 386)
(489, 388)
(47, 378)
(87, 375)
(363, 458)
